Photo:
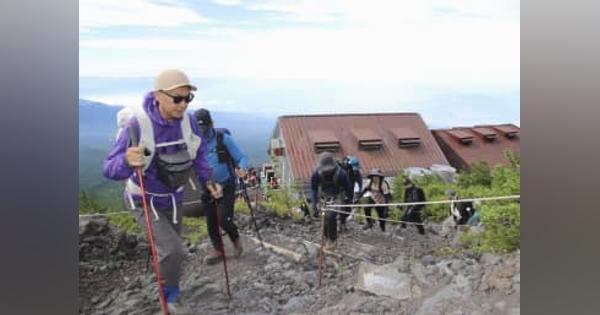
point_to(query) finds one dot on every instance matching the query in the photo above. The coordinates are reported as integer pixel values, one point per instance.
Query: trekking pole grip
(133, 140)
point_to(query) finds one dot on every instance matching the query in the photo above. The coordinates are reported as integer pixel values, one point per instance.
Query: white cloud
(228, 2)
(107, 13)
(384, 11)
(470, 43)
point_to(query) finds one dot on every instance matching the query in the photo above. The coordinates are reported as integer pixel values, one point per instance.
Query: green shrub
(241, 207)
(125, 222)
(434, 189)
(281, 203)
(506, 180)
(194, 229)
(502, 229)
(479, 175)
(501, 219)
(88, 203)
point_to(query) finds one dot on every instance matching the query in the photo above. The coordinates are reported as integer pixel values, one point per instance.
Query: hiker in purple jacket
(170, 146)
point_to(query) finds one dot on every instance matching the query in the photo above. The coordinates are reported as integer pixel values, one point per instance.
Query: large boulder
(384, 280)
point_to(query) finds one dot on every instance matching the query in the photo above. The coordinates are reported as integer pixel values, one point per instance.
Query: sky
(455, 62)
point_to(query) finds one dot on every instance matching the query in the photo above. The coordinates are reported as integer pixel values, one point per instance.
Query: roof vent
(406, 137)
(367, 139)
(487, 133)
(509, 131)
(324, 140)
(461, 135)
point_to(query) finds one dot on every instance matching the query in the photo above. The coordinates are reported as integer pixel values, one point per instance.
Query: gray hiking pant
(168, 241)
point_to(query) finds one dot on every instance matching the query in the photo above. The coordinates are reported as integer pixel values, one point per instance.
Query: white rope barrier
(426, 202)
(187, 203)
(351, 206)
(353, 213)
(387, 220)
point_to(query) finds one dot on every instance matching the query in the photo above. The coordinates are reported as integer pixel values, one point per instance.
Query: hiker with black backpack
(228, 162)
(330, 181)
(378, 191)
(461, 211)
(352, 166)
(412, 213)
(156, 156)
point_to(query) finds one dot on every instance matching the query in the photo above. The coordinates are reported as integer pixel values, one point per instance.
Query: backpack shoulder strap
(389, 187)
(223, 153)
(336, 175)
(146, 137)
(192, 141)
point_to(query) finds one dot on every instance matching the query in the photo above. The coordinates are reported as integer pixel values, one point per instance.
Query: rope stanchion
(321, 248)
(222, 247)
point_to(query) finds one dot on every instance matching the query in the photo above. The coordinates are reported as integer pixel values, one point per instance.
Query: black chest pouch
(174, 168)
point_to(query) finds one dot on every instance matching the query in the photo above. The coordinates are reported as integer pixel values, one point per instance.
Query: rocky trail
(372, 273)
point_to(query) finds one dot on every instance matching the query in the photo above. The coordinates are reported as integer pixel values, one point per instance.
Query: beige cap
(171, 79)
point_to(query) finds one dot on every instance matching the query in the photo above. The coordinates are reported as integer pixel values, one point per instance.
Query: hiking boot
(367, 226)
(178, 308)
(343, 228)
(213, 257)
(331, 245)
(237, 248)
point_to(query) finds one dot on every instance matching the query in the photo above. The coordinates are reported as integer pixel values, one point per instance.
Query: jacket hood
(150, 106)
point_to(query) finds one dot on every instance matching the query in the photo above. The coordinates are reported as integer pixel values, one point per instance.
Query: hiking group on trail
(160, 145)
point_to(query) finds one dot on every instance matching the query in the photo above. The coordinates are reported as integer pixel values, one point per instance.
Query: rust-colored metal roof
(364, 134)
(322, 136)
(462, 155)
(297, 134)
(403, 133)
(460, 133)
(484, 131)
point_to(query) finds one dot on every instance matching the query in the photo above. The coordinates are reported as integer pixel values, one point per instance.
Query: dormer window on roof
(461, 135)
(324, 140)
(368, 139)
(406, 138)
(508, 131)
(487, 133)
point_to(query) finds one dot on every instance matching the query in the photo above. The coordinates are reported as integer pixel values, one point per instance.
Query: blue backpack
(354, 162)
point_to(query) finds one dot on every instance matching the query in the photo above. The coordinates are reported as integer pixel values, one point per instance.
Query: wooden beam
(299, 258)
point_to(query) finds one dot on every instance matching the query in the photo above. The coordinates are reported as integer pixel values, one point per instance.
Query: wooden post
(321, 250)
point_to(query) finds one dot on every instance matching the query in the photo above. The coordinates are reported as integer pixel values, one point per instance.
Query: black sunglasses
(178, 98)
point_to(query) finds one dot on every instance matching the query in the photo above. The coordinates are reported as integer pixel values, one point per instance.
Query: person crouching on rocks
(379, 192)
(330, 181)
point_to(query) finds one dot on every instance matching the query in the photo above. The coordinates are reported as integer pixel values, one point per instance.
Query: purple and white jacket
(159, 195)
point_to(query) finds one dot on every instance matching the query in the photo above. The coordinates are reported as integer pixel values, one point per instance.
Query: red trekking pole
(150, 231)
(222, 246)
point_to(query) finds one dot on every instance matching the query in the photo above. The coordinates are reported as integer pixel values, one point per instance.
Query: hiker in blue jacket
(228, 162)
(331, 182)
